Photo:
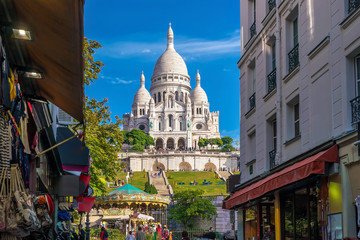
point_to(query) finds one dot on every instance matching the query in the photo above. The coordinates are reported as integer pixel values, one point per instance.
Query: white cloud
(187, 47)
(116, 80)
(146, 50)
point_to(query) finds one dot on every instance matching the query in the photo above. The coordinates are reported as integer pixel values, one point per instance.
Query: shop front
(290, 204)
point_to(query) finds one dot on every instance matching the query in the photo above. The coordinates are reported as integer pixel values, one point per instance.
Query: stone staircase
(159, 183)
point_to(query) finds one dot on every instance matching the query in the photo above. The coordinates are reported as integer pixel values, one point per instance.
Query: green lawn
(187, 177)
(138, 181)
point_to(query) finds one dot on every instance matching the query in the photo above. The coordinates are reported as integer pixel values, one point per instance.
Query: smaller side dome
(142, 95)
(198, 95)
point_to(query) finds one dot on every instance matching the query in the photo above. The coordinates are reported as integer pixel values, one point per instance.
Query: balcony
(271, 81)
(272, 154)
(353, 5)
(253, 30)
(293, 58)
(355, 110)
(271, 4)
(252, 101)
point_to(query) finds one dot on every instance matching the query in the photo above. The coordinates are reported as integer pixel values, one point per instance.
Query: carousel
(127, 206)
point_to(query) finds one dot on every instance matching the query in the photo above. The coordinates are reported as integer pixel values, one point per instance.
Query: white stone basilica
(172, 114)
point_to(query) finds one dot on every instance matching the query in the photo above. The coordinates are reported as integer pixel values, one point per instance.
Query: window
(296, 120)
(293, 40)
(170, 120)
(273, 55)
(274, 137)
(357, 75)
(353, 5)
(253, 23)
(252, 147)
(251, 169)
(295, 31)
(182, 97)
(159, 125)
(271, 77)
(252, 84)
(293, 116)
(155, 97)
(159, 97)
(142, 127)
(180, 125)
(176, 96)
(164, 96)
(198, 126)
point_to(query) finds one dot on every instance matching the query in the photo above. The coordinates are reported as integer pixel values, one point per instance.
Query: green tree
(228, 148)
(201, 142)
(149, 188)
(237, 144)
(212, 142)
(219, 142)
(137, 148)
(189, 205)
(91, 67)
(103, 135)
(227, 140)
(137, 136)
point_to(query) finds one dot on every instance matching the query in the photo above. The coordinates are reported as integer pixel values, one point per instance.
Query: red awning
(301, 170)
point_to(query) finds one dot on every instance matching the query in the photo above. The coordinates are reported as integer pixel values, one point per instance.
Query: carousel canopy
(127, 189)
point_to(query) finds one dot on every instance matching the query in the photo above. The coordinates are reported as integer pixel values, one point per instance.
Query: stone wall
(171, 160)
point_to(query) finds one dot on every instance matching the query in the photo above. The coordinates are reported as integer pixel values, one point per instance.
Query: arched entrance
(159, 143)
(210, 167)
(157, 166)
(185, 166)
(181, 144)
(170, 143)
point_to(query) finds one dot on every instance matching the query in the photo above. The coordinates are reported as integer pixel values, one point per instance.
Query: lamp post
(87, 229)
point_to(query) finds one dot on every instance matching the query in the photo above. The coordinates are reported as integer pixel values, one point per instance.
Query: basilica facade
(172, 113)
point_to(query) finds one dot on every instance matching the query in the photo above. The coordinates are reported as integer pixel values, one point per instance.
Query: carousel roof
(127, 189)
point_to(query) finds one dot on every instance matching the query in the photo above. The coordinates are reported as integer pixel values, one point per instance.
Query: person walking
(158, 232)
(104, 234)
(140, 235)
(130, 236)
(185, 235)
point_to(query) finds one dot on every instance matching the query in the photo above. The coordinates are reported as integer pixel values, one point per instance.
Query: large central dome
(170, 61)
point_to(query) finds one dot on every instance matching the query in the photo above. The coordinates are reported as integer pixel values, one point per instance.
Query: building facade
(171, 113)
(298, 72)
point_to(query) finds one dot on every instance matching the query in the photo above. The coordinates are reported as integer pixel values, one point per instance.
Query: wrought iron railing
(271, 81)
(253, 30)
(272, 154)
(353, 5)
(355, 110)
(252, 101)
(293, 58)
(271, 4)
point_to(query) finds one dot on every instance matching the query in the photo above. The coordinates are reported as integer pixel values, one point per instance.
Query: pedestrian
(140, 235)
(209, 235)
(165, 234)
(185, 235)
(130, 236)
(104, 234)
(158, 232)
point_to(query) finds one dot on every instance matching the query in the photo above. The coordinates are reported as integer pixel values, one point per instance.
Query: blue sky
(133, 36)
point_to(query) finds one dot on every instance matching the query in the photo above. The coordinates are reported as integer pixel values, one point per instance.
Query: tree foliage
(227, 140)
(103, 135)
(149, 188)
(138, 137)
(91, 67)
(228, 148)
(189, 205)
